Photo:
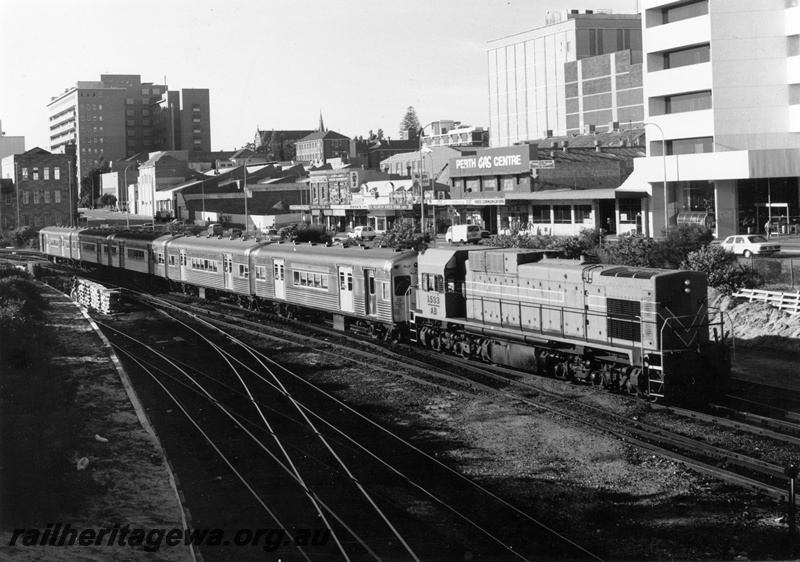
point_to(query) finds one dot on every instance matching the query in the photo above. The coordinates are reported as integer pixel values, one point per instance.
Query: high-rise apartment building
(119, 116)
(579, 70)
(722, 91)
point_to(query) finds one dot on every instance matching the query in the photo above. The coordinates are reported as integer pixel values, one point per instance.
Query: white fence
(788, 302)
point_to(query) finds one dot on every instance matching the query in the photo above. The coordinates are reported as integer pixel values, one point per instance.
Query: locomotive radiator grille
(623, 321)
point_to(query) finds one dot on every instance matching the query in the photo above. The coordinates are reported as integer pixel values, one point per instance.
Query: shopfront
(482, 182)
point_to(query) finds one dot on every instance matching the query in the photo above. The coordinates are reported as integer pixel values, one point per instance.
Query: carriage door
(345, 288)
(183, 265)
(227, 269)
(279, 276)
(369, 292)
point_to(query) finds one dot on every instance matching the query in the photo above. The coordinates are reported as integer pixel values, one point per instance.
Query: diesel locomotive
(637, 330)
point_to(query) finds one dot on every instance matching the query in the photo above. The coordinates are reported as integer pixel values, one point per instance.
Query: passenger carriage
(372, 286)
(134, 251)
(208, 263)
(61, 243)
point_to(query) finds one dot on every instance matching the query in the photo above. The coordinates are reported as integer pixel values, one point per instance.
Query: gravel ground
(609, 498)
(129, 479)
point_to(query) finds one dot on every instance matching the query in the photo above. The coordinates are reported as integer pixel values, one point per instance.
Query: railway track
(381, 479)
(437, 370)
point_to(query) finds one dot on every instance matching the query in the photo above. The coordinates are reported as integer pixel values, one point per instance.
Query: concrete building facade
(722, 99)
(541, 82)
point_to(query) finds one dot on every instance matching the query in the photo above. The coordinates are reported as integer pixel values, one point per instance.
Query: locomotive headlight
(687, 290)
(687, 282)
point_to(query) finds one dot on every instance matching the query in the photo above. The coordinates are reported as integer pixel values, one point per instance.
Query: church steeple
(321, 124)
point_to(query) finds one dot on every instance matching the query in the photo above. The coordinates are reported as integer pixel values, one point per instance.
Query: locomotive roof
(139, 235)
(440, 258)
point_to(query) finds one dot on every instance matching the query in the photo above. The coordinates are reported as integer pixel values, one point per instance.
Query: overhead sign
(543, 164)
(494, 161)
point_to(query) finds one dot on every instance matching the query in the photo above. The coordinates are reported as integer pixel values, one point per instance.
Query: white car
(463, 233)
(366, 232)
(749, 245)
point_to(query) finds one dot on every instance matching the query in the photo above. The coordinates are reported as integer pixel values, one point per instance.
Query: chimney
(589, 129)
(613, 126)
(597, 145)
(564, 145)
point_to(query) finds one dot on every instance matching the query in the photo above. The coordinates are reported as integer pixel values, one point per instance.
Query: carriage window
(160, 257)
(172, 260)
(439, 284)
(371, 285)
(385, 293)
(244, 271)
(261, 272)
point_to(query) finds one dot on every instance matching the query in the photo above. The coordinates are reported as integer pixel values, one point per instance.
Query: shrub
(403, 235)
(678, 243)
(723, 269)
(316, 233)
(631, 248)
(524, 240)
(22, 236)
(18, 288)
(586, 243)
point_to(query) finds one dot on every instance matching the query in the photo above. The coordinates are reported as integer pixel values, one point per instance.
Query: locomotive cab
(441, 293)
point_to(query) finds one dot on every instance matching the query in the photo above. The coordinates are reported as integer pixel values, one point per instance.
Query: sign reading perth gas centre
(505, 160)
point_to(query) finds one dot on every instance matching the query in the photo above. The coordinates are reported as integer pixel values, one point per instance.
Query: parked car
(749, 245)
(485, 233)
(270, 234)
(470, 233)
(366, 232)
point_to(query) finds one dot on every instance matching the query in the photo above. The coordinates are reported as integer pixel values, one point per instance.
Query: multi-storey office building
(722, 91)
(119, 116)
(42, 190)
(579, 70)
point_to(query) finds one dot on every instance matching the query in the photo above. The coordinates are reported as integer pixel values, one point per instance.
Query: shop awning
(563, 195)
(634, 186)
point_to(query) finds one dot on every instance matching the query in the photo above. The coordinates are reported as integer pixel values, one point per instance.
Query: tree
(403, 235)
(90, 183)
(410, 120)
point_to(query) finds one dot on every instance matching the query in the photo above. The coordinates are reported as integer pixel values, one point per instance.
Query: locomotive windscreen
(623, 320)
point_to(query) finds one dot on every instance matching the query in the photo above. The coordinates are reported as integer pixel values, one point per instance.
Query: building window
(583, 213)
(25, 197)
(629, 209)
(129, 101)
(540, 214)
(57, 196)
(686, 57)
(35, 197)
(696, 145)
(8, 199)
(25, 173)
(562, 214)
(46, 173)
(509, 184)
(56, 173)
(694, 101)
(47, 197)
(684, 11)
(26, 220)
(489, 184)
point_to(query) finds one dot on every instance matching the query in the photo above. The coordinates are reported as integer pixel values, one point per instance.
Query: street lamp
(664, 166)
(127, 202)
(421, 186)
(429, 152)
(246, 223)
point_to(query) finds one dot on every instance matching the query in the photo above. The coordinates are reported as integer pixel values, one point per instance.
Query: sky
(268, 64)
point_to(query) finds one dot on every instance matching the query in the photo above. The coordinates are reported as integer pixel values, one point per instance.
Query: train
(642, 331)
